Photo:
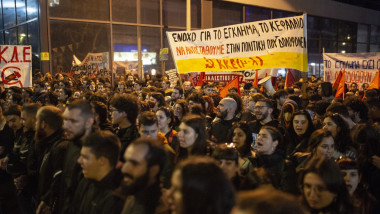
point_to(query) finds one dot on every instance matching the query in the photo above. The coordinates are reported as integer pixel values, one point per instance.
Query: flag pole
(324, 76)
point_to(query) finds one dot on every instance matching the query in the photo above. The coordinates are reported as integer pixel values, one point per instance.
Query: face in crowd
(222, 109)
(74, 123)
(300, 124)
(261, 110)
(265, 143)
(186, 136)
(331, 126)
(135, 169)
(239, 137)
(315, 191)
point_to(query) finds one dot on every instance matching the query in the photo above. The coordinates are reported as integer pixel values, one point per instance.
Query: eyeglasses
(259, 107)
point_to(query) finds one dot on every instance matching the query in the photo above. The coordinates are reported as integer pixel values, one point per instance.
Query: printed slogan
(277, 43)
(359, 67)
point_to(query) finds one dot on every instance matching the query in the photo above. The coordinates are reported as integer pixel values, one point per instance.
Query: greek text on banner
(276, 43)
(360, 67)
(16, 65)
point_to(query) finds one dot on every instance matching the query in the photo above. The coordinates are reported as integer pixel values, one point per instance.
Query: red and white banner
(223, 76)
(360, 67)
(16, 65)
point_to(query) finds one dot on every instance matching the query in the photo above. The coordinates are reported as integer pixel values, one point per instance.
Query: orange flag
(376, 81)
(256, 80)
(201, 79)
(289, 80)
(233, 83)
(337, 80)
(341, 86)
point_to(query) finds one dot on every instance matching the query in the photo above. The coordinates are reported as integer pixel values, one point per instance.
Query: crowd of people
(80, 144)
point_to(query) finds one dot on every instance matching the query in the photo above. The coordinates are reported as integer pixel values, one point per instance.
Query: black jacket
(71, 176)
(274, 166)
(126, 136)
(96, 197)
(50, 163)
(18, 158)
(221, 130)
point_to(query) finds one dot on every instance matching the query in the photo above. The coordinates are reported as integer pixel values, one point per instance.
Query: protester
(192, 137)
(200, 186)
(363, 201)
(271, 145)
(124, 110)
(220, 128)
(323, 188)
(165, 118)
(341, 134)
(144, 162)
(243, 140)
(269, 155)
(228, 160)
(98, 158)
(298, 133)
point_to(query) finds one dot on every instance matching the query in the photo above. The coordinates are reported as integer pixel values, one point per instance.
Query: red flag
(341, 86)
(337, 80)
(233, 83)
(376, 81)
(256, 80)
(289, 80)
(202, 79)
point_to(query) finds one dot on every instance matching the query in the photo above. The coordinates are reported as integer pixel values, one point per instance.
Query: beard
(40, 134)
(77, 135)
(137, 184)
(263, 116)
(223, 114)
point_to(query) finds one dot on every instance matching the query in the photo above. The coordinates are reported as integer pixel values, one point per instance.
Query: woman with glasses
(323, 188)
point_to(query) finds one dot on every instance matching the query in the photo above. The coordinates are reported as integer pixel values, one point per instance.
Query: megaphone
(267, 84)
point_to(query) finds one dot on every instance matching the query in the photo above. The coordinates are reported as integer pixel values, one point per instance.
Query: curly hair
(126, 103)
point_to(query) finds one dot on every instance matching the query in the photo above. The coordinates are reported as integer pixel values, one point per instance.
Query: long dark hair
(197, 123)
(342, 139)
(275, 135)
(316, 138)
(245, 150)
(205, 187)
(310, 126)
(330, 174)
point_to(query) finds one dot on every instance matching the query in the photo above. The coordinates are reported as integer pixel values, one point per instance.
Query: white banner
(97, 63)
(276, 43)
(360, 67)
(16, 65)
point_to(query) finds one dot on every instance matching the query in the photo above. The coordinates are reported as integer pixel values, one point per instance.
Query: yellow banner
(280, 59)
